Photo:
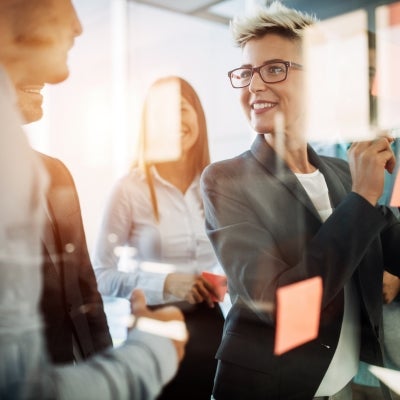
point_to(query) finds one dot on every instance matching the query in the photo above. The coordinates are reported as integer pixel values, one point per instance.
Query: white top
(344, 364)
(315, 186)
(134, 251)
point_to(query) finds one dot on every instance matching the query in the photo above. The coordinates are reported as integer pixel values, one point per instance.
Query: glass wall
(91, 121)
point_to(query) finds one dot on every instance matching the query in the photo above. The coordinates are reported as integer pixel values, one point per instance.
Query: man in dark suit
(279, 214)
(75, 322)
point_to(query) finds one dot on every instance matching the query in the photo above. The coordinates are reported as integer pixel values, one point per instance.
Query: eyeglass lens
(270, 73)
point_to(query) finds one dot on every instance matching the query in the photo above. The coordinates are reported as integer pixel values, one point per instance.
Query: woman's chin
(262, 129)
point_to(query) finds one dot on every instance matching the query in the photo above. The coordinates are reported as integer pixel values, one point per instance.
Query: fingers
(368, 161)
(381, 143)
(385, 152)
(208, 292)
(202, 291)
(138, 302)
(190, 287)
(391, 287)
(385, 156)
(390, 163)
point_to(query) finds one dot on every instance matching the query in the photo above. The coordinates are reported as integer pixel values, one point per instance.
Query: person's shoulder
(131, 178)
(228, 172)
(228, 166)
(134, 174)
(130, 184)
(51, 163)
(57, 170)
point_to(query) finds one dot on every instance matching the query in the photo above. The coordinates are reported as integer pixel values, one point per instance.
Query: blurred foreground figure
(75, 324)
(35, 36)
(279, 214)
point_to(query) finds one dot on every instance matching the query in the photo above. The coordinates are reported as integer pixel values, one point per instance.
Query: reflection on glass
(337, 88)
(387, 84)
(162, 120)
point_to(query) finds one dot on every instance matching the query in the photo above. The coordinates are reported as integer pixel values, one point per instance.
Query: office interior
(91, 120)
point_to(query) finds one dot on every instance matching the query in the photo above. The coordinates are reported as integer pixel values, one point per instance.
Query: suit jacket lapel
(337, 191)
(264, 153)
(277, 167)
(50, 241)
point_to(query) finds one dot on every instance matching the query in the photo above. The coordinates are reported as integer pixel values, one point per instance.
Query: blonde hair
(276, 18)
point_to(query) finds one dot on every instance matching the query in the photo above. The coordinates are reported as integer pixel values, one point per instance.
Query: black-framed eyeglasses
(270, 72)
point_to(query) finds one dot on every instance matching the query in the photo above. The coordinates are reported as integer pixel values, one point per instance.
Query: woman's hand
(391, 287)
(368, 161)
(190, 287)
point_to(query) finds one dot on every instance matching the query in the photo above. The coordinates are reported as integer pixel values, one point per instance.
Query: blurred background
(91, 120)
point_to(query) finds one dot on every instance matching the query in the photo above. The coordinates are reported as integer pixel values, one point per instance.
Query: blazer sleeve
(255, 231)
(136, 370)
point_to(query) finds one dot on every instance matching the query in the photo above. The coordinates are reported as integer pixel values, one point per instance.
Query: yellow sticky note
(298, 314)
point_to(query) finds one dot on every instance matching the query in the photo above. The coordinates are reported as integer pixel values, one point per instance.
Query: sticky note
(298, 314)
(395, 199)
(343, 110)
(219, 282)
(163, 116)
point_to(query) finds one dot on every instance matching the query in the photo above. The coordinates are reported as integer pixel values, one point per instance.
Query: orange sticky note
(395, 199)
(219, 282)
(298, 314)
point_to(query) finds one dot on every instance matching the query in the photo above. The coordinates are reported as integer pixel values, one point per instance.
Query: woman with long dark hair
(156, 212)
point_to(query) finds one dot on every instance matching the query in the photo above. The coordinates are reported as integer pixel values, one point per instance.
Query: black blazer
(267, 233)
(70, 303)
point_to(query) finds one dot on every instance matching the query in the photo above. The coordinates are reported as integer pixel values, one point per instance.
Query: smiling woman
(279, 214)
(157, 211)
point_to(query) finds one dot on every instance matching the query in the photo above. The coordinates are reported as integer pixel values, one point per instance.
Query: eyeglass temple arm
(295, 65)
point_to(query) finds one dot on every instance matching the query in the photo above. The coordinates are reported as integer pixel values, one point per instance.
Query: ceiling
(215, 10)
(222, 11)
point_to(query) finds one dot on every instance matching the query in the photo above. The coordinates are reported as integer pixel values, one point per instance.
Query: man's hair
(276, 18)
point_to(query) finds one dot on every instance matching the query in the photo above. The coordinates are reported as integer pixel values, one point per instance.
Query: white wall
(80, 125)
